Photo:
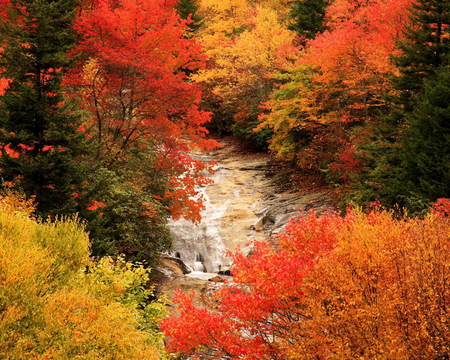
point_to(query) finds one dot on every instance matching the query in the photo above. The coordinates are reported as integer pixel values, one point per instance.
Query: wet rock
(277, 209)
(225, 272)
(243, 203)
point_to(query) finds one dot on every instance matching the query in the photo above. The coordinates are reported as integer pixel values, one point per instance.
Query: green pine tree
(306, 17)
(35, 120)
(424, 50)
(418, 111)
(189, 9)
(426, 142)
(403, 170)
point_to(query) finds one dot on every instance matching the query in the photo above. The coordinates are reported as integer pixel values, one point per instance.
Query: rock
(217, 279)
(186, 284)
(225, 272)
(175, 264)
(243, 203)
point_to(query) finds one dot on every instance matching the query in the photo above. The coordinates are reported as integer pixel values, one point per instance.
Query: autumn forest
(103, 104)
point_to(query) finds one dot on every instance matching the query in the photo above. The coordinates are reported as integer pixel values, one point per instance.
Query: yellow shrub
(51, 307)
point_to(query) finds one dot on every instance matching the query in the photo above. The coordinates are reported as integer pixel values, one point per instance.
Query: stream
(242, 203)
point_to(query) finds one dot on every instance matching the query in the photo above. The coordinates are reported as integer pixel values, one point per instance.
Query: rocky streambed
(243, 203)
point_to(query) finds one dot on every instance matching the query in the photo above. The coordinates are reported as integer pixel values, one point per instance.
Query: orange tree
(338, 85)
(365, 285)
(245, 43)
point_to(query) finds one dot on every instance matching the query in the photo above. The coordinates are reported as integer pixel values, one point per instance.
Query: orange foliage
(362, 286)
(339, 82)
(131, 80)
(441, 207)
(248, 318)
(354, 56)
(245, 44)
(383, 292)
(4, 83)
(95, 205)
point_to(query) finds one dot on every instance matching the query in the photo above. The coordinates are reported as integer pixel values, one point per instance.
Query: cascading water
(241, 204)
(200, 245)
(198, 264)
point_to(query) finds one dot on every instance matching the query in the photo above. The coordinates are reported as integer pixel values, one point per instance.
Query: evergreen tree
(188, 9)
(38, 129)
(400, 152)
(307, 17)
(418, 111)
(426, 142)
(424, 50)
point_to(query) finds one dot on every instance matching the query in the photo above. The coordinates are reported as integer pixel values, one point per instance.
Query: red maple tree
(132, 83)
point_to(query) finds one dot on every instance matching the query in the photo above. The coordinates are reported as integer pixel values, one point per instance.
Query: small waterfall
(242, 204)
(198, 264)
(227, 220)
(200, 246)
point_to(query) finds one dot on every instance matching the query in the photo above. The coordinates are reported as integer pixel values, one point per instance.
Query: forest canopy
(335, 89)
(103, 105)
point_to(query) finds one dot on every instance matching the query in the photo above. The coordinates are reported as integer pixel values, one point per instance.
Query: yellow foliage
(51, 307)
(113, 278)
(16, 203)
(79, 325)
(281, 6)
(243, 55)
(223, 18)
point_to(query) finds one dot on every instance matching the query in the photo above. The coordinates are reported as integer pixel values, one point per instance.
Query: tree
(365, 285)
(188, 9)
(307, 18)
(425, 47)
(423, 52)
(337, 85)
(57, 303)
(425, 150)
(39, 137)
(301, 133)
(222, 20)
(245, 49)
(393, 276)
(124, 210)
(143, 119)
(140, 95)
(420, 112)
(140, 99)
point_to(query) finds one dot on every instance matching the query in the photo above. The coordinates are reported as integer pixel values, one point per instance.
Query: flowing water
(241, 204)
